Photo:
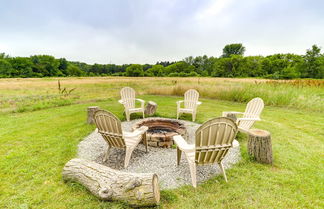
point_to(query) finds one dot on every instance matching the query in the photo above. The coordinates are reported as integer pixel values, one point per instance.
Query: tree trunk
(150, 108)
(137, 189)
(259, 145)
(91, 111)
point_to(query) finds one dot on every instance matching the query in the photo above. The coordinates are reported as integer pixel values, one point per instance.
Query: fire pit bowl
(161, 130)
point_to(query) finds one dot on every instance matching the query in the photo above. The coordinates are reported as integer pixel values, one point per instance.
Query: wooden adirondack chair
(213, 139)
(128, 99)
(191, 103)
(109, 126)
(252, 113)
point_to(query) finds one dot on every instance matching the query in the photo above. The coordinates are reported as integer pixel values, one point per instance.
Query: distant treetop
(236, 49)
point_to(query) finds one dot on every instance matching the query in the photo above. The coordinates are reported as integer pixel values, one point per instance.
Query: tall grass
(278, 94)
(33, 94)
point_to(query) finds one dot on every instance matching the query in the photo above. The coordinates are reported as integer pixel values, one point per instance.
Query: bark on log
(137, 189)
(91, 111)
(259, 145)
(232, 116)
(150, 108)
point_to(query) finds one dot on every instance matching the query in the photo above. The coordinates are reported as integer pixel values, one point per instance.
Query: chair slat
(110, 128)
(213, 140)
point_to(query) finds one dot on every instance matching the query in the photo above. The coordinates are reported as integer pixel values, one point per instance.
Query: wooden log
(259, 145)
(91, 111)
(150, 108)
(137, 189)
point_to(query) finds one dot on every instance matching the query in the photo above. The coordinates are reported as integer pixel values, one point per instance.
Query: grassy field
(40, 131)
(20, 95)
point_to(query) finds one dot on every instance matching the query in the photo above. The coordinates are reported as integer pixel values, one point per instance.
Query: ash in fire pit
(161, 130)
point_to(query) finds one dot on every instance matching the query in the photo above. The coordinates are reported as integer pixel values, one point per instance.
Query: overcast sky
(146, 31)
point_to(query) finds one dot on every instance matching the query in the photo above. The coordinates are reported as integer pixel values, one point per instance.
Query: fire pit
(161, 130)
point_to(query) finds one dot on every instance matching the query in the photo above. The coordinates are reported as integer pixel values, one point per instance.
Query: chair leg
(145, 141)
(106, 156)
(128, 155)
(223, 170)
(127, 116)
(143, 114)
(177, 114)
(193, 117)
(192, 166)
(178, 155)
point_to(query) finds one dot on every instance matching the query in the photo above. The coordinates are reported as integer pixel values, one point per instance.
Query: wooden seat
(250, 116)
(128, 99)
(190, 103)
(109, 126)
(213, 139)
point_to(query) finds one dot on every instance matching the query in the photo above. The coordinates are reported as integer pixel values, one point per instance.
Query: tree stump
(137, 189)
(91, 111)
(259, 145)
(231, 116)
(150, 108)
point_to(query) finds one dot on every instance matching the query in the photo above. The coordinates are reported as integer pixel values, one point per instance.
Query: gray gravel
(161, 161)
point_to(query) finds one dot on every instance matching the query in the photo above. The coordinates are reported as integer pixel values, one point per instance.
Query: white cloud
(213, 9)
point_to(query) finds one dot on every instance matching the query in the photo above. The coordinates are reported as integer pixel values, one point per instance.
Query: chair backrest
(109, 126)
(213, 140)
(253, 109)
(191, 97)
(127, 94)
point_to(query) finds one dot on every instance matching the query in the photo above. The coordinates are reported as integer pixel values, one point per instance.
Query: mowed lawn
(34, 146)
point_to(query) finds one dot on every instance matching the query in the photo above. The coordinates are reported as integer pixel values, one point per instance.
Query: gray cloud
(146, 31)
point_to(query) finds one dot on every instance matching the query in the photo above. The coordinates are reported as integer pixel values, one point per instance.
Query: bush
(135, 70)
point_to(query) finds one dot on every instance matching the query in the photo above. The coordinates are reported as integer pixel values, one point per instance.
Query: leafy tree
(204, 65)
(63, 66)
(45, 65)
(189, 60)
(73, 70)
(313, 63)
(165, 63)
(4, 56)
(252, 67)
(6, 69)
(135, 70)
(23, 67)
(156, 70)
(233, 49)
(179, 67)
(290, 72)
(222, 68)
(231, 64)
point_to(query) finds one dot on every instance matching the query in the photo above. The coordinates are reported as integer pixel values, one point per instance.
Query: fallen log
(137, 189)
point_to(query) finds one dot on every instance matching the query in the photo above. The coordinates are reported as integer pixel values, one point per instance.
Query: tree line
(232, 63)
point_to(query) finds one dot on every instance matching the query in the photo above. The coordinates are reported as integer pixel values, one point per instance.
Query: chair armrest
(121, 101)
(141, 101)
(182, 144)
(136, 132)
(199, 103)
(249, 119)
(179, 103)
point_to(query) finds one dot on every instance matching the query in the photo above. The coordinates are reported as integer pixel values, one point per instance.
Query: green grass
(34, 146)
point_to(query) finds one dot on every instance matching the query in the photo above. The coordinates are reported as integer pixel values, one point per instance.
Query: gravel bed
(162, 161)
